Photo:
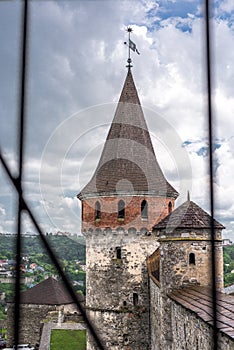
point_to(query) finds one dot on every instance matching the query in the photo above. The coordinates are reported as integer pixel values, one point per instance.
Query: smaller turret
(185, 248)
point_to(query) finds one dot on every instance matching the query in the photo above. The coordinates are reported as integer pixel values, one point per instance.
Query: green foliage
(64, 247)
(70, 253)
(8, 289)
(228, 265)
(68, 339)
(3, 315)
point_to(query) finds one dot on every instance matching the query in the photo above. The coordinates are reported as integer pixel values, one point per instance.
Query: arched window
(191, 259)
(144, 209)
(169, 207)
(135, 299)
(118, 253)
(121, 209)
(97, 211)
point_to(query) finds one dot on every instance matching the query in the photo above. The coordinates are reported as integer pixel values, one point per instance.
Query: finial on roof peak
(131, 45)
(188, 196)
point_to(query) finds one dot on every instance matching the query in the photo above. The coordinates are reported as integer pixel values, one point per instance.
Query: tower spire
(128, 156)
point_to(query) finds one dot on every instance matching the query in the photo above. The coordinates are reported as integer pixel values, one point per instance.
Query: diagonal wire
(21, 110)
(22, 205)
(210, 131)
(52, 255)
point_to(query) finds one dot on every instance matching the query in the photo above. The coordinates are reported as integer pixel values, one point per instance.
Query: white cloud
(77, 60)
(227, 6)
(2, 211)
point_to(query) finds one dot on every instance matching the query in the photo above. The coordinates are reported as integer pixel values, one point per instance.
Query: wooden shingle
(199, 301)
(128, 163)
(188, 215)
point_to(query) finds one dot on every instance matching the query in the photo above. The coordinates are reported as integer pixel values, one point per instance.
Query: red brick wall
(157, 210)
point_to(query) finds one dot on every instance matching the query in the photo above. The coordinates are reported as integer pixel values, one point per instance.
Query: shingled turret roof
(187, 215)
(48, 292)
(128, 163)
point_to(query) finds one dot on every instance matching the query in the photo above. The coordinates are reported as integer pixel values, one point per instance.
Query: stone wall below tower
(31, 321)
(117, 287)
(175, 327)
(111, 280)
(116, 329)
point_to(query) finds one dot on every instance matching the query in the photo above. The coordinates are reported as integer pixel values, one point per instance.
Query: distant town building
(227, 241)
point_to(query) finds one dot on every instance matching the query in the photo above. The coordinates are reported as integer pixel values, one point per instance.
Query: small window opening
(184, 332)
(118, 253)
(191, 259)
(126, 340)
(124, 303)
(97, 211)
(135, 299)
(144, 209)
(169, 207)
(121, 209)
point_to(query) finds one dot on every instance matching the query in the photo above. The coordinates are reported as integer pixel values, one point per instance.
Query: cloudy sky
(76, 71)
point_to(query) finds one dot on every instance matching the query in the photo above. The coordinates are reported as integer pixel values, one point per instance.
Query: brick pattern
(157, 209)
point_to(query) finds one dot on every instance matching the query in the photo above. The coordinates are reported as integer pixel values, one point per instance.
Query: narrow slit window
(121, 209)
(97, 211)
(192, 259)
(144, 209)
(118, 253)
(169, 207)
(135, 299)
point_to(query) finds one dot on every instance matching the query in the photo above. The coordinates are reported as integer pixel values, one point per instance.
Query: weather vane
(131, 46)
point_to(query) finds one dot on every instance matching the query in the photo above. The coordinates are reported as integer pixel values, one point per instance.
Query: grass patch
(68, 339)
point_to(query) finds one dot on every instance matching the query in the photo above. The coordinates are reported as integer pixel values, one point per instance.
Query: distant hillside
(65, 247)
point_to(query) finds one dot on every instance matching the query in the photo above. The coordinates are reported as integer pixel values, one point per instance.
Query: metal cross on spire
(131, 46)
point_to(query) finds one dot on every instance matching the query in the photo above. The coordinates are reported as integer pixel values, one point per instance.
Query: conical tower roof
(128, 163)
(188, 215)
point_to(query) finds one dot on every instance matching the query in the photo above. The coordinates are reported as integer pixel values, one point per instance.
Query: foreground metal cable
(210, 135)
(21, 112)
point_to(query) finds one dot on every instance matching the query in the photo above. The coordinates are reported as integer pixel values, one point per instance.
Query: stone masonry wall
(183, 329)
(155, 316)
(31, 324)
(192, 333)
(126, 330)
(176, 269)
(117, 278)
(117, 288)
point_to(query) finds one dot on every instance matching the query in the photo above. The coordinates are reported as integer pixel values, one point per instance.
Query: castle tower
(126, 196)
(183, 259)
(185, 248)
